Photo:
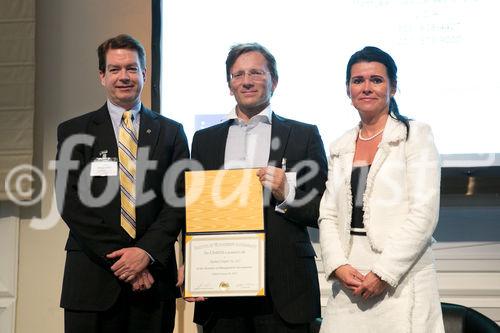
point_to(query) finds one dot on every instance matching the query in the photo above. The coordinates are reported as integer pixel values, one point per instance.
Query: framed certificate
(230, 264)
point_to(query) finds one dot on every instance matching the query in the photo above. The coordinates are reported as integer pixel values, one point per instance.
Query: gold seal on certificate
(225, 240)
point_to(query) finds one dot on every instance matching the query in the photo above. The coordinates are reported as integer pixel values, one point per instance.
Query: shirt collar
(264, 116)
(118, 110)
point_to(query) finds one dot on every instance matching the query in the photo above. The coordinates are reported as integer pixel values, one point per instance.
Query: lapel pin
(148, 131)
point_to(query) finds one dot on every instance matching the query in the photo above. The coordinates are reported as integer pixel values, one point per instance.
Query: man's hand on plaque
(274, 179)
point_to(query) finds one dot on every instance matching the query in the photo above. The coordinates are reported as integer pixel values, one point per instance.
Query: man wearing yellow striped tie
(120, 273)
(127, 153)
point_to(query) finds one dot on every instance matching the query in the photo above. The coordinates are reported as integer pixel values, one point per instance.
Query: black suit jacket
(89, 284)
(291, 274)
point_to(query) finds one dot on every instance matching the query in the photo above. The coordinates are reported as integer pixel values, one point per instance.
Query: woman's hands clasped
(371, 286)
(349, 276)
(366, 286)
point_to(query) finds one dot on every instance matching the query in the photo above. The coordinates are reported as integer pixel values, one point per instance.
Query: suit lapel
(105, 140)
(280, 132)
(219, 140)
(149, 130)
(343, 152)
(394, 132)
(102, 129)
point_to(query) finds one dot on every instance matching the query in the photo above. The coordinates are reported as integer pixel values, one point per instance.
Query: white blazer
(401, 200)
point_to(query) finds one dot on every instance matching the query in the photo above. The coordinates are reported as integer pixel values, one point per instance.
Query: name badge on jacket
(104, 166)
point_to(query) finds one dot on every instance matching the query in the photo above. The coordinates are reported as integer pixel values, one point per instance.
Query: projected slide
(446, 52)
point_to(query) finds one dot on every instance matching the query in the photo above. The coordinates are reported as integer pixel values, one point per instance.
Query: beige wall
(67, 34)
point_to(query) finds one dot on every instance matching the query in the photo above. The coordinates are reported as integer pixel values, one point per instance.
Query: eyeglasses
(253, 74)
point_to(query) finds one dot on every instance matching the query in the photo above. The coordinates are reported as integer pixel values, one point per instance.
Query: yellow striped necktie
(127, 153)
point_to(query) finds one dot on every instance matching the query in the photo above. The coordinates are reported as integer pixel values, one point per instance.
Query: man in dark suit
(254, 136)
(120, 273)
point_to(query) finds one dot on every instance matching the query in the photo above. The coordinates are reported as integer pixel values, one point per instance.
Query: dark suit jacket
(291, 275)
(89, 284)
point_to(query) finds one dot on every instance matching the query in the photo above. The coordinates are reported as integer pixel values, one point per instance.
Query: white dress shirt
(248, 145)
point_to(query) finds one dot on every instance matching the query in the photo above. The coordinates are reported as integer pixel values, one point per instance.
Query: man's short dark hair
(122, 41)
(239, 49)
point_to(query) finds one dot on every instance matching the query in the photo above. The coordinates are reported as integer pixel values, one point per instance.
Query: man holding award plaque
(289, 162)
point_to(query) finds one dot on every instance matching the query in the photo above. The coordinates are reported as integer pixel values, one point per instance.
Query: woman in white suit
(379, 211)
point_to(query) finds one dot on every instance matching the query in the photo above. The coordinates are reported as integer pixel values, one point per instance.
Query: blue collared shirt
(116, 114)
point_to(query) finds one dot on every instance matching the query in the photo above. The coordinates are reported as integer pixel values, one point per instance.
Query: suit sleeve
(331, 250)
(304, 210)
(158, 240)
(94, 237)
(406, 242)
